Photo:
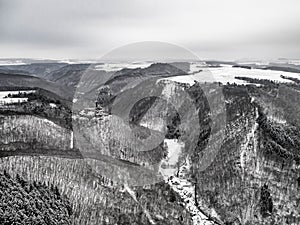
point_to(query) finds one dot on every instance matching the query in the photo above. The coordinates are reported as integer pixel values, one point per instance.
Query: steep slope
(68, 75)
(93, 81)
(27, 133)
(94, 200)
(253, 179)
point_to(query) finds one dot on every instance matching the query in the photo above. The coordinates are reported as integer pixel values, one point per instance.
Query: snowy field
(226, 73)
(120, 66)
(169, 165)
(4, 99)
(11, 62)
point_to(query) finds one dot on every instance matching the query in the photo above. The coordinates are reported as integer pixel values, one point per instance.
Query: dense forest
(23, 202)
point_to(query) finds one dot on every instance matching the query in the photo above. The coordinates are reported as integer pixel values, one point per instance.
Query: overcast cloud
(229, 29)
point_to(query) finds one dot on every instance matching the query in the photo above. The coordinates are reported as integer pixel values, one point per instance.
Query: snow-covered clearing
(119, 66)
(227, 73)
(4, 99)
(169, 165)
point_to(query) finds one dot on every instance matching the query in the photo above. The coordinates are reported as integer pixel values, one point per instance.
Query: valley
(154, 143)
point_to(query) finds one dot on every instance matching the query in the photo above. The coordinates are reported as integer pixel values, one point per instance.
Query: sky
(211, 29)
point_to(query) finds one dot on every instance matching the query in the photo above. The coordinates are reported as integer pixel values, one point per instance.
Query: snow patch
(153, 124)
(169, 165)
(52, 105)
(277, 119)
(72, 140)
(4, 99)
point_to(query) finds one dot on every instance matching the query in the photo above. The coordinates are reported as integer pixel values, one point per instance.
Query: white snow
(119, 66)
(78, 61)
(196, 66)
(169, 165)
(169, 89)
(11, 62)
(72, 140)
(4, 99)
(188, 79)
(49, 122)
(186, 190)
(295, 62)
(174, 150)
(289, 61)
(227, 74)
(153, 124)
(277, 119)
(52, 105)
(89, 112)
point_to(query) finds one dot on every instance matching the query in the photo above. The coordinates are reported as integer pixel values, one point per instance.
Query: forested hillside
(23, 202)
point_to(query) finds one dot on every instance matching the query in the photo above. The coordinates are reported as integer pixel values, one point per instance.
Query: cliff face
(253, 179)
